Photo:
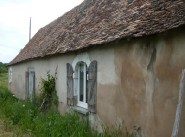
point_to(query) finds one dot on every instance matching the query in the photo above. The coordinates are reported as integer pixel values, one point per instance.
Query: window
(81, 85)
(82, 81)
(10, 75)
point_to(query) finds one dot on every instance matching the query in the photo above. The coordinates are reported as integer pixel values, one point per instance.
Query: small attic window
(10, 75)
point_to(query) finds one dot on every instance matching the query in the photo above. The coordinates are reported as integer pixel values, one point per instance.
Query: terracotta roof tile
(101, 21)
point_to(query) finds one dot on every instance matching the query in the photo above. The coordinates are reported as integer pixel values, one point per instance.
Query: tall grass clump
(32, 120)
(3, 81)
(44, 124)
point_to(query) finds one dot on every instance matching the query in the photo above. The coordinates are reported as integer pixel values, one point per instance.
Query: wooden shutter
(31, 85)
(26, 83)
(92, 86)
(70, 99)
(33, 74)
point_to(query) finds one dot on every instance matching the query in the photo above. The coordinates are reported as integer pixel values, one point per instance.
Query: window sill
(81, 110)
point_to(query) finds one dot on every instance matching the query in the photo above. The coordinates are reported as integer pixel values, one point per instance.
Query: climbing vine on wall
(49, 98)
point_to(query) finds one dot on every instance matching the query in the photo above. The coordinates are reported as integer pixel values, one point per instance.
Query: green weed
(3, 81)
(26, 118)
(48, 97)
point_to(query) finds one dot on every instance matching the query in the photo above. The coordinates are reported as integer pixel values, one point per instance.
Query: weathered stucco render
(147, 85)
(41, 67)
(138, 82)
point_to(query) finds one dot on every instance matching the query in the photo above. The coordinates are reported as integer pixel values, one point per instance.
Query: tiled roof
(95, 22)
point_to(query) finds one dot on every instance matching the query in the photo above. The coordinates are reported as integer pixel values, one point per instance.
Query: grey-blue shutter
(92, 86)
(33, 74)
(31, 85)
(26, 83)
(70, 98)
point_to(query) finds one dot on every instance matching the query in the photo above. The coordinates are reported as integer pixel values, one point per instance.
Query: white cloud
(14, 21)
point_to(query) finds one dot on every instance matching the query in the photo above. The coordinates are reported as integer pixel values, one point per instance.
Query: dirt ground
(4, 131)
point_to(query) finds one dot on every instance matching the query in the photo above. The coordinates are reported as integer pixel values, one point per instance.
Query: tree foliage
(3, 68)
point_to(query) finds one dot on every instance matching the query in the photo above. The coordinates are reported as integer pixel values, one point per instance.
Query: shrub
(49, 96)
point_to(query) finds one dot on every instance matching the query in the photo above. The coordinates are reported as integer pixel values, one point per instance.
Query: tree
(3, 68)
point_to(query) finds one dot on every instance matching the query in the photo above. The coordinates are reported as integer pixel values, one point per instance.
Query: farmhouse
(119, 61)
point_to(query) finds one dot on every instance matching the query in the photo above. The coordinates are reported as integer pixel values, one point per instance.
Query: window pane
(81, 82)
(86, 87)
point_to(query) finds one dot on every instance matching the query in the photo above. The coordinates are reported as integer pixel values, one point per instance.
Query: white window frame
(10, 75)
(82, 57)
(82, 103)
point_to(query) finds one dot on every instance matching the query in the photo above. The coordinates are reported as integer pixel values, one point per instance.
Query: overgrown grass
(3, 80)
(30, 120)
(51, 124)
(7, 129)
(37, 123)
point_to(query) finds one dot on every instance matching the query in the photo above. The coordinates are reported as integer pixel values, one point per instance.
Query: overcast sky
(14, 21)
